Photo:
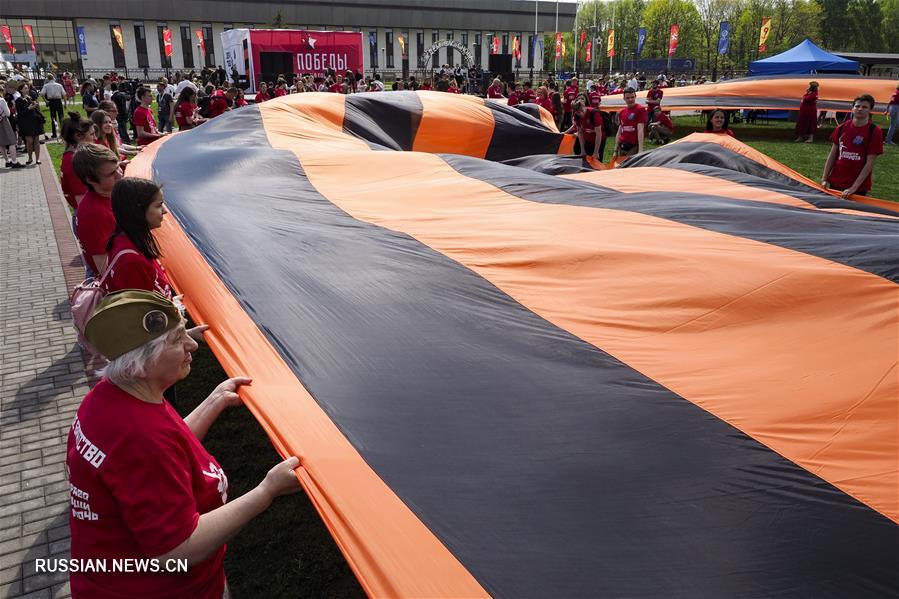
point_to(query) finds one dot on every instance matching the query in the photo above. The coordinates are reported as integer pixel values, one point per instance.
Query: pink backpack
(84, 300)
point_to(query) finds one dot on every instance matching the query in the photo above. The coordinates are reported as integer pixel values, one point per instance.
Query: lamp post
(625, 59)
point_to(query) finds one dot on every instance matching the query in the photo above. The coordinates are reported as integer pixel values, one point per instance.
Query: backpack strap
(111, 264)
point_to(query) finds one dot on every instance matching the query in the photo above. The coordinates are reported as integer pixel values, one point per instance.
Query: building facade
(95, 36)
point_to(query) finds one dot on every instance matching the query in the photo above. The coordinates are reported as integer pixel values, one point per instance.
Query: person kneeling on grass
(856, 145)
(142, 484)
(661, 128)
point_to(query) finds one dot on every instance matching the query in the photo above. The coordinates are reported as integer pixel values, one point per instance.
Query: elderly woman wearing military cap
(141, 483)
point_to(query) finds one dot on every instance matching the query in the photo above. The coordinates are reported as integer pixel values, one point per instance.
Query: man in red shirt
(654, 97)
(631, 126)
(856, 145)
(143, 120)
(516, 97)
(98, 167)
(568, 97)
(218, 104)
(588, 125)
(595, 96)
(529, 95)
(661, 128)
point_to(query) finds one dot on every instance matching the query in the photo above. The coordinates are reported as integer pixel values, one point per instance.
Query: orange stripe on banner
(452, 126)
(796, 351)
(753, 154)
(657, 178)
(388, 548)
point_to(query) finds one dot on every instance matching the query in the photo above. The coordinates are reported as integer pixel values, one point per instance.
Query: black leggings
(55, 106)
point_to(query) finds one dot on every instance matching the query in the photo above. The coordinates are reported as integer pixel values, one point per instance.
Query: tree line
(835, 25)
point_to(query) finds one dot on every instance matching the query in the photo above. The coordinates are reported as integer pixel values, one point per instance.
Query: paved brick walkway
(42, 379)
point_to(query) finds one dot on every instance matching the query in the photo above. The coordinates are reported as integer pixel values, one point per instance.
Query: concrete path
(42, 378)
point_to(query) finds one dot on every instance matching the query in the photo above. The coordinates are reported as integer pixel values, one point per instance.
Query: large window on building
(435, 60)
(505, 43)
(210, 45)
(54, 42)
(388, 44)
(477, 48)
(118, 52)
(187, 47)
(373, 48)
(140, 44)
(165, 61)
(449, 50)
(420, 47)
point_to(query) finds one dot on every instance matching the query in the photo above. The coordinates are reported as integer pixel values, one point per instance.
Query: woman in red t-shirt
(719, 123)
(262, 95)
(186, 110)
(131, 252)
(807, 121)
(544, 100)
(75, 131)
(142, 485)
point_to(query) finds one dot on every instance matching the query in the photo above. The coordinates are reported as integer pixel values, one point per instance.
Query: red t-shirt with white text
(854, 145)
(628, 119)
(547, 104)
(139, 479)
(143, 117)
(94, 223)
(589, 123)
(529, 96)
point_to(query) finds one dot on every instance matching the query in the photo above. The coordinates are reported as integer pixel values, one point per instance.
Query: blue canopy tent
(805, 58)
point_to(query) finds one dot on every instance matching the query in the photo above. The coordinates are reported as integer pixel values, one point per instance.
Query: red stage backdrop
(314, 51)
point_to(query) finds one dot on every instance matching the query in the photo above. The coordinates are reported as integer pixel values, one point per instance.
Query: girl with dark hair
(8, 136)
(30, 122)
(186, 110)
(75, 132)
(131, 251)
(719, 123)
(88, 99)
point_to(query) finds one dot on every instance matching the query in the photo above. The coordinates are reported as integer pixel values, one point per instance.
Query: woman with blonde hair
(106, 132)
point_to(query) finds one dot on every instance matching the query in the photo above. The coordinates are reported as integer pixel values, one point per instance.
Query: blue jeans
(894, 123)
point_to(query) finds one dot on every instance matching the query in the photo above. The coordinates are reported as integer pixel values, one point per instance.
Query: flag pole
(613, 46)
(593, 55)
(534, 41)
(574, 34)
(556, 60)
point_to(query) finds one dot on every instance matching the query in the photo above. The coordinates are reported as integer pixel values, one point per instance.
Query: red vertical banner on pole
(516, 48)
(673, 39)
(29, 31)
(4, 29)
(558, 45)
(589, 55)
(610, 46)
(202, 42)
(494, 46)
(167, 41)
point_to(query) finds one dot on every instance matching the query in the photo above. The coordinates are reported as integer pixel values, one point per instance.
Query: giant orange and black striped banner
(774, 92)
(672, 378)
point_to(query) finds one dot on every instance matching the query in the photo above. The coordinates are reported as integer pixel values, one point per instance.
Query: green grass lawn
(287, 551)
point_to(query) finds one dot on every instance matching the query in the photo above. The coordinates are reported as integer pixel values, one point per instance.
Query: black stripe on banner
(386, 120)
(545, 465)
(552, 164)
(714, 160)
(866, 243)
(517, 134)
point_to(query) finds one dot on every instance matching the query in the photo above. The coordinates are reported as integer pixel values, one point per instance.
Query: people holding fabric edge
(631, 126)
(142, 484)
